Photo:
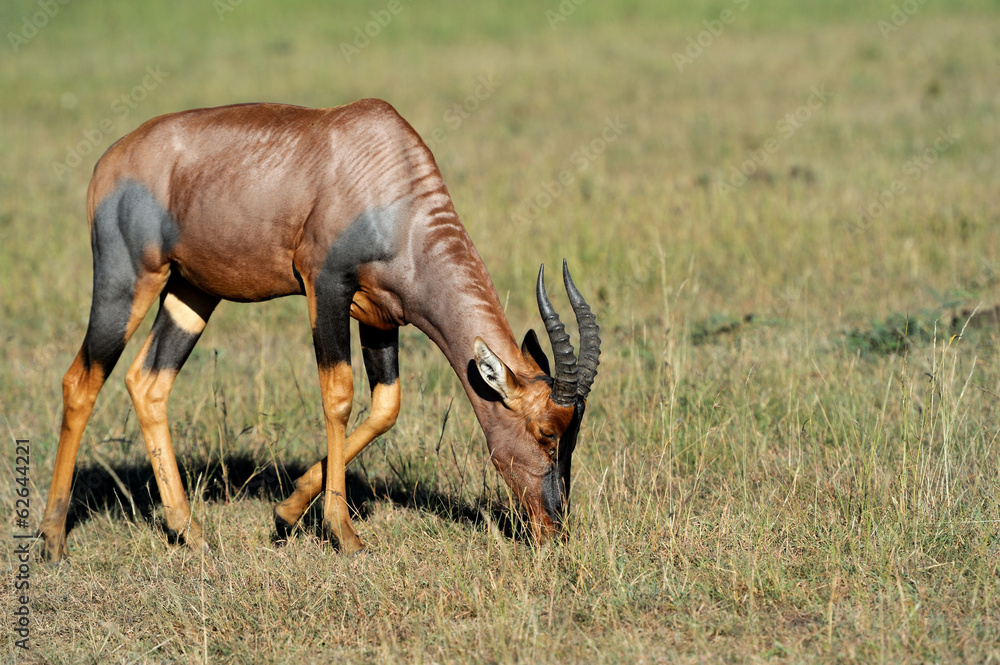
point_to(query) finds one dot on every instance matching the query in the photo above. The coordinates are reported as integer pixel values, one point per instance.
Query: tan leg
(102, 346)
(80, 388)
(337, 388)
(385, 409)
(329, 294)
(380, 349)
(182, 317)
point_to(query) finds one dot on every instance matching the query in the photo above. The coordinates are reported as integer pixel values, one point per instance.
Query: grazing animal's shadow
(130, 489)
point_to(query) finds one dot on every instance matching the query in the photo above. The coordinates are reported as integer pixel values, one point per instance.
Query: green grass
(753, 492)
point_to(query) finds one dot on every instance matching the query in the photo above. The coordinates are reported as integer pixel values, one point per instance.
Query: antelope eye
(547, 434)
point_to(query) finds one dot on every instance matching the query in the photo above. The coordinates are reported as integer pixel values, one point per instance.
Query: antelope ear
(532, 352)
(495, 373)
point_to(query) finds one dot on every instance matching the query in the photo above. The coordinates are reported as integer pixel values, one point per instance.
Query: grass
(747, 488)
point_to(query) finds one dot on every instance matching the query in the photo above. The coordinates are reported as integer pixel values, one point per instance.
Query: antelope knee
(337, 386)
(75, 397)
(338, 410)
(134, 382)
(146, 391)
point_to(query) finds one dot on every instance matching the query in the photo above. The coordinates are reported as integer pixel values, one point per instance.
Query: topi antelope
(346, 206)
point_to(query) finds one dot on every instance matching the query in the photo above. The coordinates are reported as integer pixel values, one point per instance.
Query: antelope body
(347, 207)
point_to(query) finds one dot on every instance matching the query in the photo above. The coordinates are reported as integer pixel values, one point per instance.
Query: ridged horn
(565, 380)
(590, 340)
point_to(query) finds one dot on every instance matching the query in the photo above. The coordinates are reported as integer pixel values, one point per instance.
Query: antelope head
(532, 447)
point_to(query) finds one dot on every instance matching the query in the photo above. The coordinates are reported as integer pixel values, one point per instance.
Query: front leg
(380, 349)
(329, 310)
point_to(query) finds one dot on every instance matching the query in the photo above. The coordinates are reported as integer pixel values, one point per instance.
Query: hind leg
(184, 311)
(121, 300)
(131, 235)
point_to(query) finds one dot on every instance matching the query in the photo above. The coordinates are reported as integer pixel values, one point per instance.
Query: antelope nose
(554, 496)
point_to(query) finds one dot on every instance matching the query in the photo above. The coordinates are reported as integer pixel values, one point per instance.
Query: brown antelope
(347, 206)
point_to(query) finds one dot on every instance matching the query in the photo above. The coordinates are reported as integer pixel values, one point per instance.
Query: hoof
(54, 549)
(192, 536)
(349, 544)
(201, 547)
(282, 527)
(54, 561)
(197, 547)
(353, 548)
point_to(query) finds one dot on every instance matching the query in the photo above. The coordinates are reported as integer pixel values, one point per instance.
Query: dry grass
(747, 488)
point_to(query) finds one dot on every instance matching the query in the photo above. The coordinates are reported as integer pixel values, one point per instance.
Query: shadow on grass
(130, 489)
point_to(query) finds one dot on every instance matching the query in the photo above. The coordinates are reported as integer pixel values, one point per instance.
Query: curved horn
(565, 379)
(590, 340)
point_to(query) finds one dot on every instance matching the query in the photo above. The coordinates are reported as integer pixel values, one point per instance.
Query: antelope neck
(460, 304)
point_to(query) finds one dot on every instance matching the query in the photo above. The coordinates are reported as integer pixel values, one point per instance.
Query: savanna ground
(790, 455)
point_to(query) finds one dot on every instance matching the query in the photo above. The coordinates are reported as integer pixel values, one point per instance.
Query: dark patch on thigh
(370, 237)
(171, 345)
(105, 338)
(127, 224)
(380, 349)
